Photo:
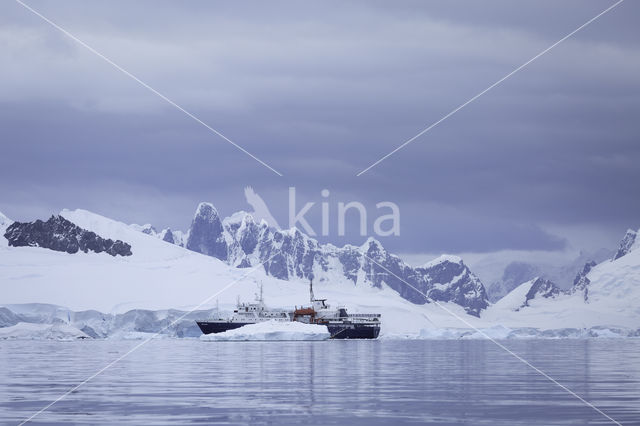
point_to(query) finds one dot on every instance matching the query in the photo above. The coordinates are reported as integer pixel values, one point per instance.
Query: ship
(341, 325)
(244, 314)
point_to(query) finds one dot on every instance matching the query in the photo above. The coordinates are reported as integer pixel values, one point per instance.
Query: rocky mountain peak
(237, 220)
(626, 244)
(541, 287)
(373, 249)
(445, 258)
(206, 234)
(60, 234)
(581, 282)
(584, 271)
(149, 230)
(207, 212)
(145, 229)
(168, 236)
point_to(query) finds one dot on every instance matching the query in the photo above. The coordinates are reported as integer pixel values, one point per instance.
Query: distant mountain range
(241, 242)
(606, 292)
(517, 272)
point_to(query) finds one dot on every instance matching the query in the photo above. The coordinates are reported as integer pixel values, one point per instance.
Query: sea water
(328, 382)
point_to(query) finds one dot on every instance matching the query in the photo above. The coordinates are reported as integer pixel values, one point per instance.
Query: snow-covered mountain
(174, 237)
(538, 288)
(60, 234)
(159, 276)
(604, 294)
(242, 242)
(515, 273)
(128, 296)
(562, 275)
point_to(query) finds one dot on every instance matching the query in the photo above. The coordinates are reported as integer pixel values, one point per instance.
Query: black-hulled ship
(341, 325)
(244, 314)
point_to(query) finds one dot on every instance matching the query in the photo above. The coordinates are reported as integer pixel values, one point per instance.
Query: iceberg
(272, 330)
(31, 331)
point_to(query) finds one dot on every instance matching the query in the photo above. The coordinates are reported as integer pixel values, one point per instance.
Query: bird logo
(260, 209)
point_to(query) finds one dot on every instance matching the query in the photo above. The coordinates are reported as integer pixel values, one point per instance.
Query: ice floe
(272, 330)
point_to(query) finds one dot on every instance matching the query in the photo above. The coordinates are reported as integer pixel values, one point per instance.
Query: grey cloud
(320, 91)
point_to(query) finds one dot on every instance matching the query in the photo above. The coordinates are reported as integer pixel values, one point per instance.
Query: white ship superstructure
(244, 314)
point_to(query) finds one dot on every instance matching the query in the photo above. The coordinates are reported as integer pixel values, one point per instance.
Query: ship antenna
(311, 289)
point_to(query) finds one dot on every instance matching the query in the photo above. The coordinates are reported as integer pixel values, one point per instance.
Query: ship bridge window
(342, 313)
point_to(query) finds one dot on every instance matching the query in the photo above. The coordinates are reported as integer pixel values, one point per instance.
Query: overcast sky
(320, 90)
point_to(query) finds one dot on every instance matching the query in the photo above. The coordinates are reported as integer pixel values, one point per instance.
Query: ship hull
(337, 331)
(211, 327)
(353, 331)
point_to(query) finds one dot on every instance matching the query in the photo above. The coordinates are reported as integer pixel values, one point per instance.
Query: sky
(546, 162)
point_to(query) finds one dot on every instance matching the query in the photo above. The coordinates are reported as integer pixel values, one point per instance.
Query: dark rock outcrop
(149, 230)
(541, 287)
(581, 282)
(206, 233)
(168, 237)
(626, 243)
(173, 237)
(60, 234)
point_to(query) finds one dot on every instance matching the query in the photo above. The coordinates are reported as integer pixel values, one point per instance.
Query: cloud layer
(320, 91)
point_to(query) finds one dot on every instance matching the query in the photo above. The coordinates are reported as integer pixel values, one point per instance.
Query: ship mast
(311, 290)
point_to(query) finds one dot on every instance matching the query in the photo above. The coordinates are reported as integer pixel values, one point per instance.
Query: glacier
(39, 331)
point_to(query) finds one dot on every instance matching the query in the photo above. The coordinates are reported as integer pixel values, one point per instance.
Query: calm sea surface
(331, 382)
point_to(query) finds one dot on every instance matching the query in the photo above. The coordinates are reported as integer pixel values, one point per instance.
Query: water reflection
(355, 382)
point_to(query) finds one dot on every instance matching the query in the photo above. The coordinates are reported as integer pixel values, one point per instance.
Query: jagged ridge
(626, 244)
(289, 254)
(59, 234)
